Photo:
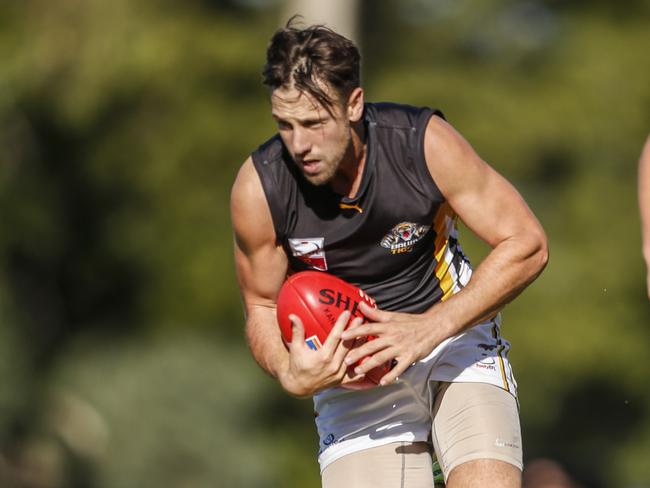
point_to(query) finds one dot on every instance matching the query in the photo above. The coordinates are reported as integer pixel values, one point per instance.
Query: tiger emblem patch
(403, 237)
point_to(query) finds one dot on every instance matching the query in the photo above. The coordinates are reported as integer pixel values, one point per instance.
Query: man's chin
(318, 179)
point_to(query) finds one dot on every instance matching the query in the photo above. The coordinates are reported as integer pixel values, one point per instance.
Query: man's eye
(283, 126)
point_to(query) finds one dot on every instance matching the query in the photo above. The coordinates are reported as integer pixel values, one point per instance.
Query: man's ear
(355, 105)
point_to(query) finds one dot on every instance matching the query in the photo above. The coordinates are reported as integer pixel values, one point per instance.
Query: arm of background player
(494, 210)
(644, 207)
(261, 269)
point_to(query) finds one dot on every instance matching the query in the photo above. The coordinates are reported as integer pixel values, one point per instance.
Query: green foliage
(175, 412)
(15, 374)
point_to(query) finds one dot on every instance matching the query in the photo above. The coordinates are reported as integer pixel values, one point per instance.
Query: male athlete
(371, 193)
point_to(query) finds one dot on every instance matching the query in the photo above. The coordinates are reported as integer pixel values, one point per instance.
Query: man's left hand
(402, 337)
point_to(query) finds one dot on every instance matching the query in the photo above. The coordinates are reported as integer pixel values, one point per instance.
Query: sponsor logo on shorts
(310, 250)
(486, 366)
(487, 360)
(486, 363)
(513, 444)
(327, 442)
(403, 237)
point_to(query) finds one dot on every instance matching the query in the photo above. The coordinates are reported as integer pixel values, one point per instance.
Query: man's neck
(350, 173)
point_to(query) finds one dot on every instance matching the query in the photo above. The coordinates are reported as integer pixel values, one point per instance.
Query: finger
(373, 314)
(370, 348)
(370, 362)
(334, 337)
(344, 346)
(363, 330)
(351, 376)
(398, 369)
(297, 331)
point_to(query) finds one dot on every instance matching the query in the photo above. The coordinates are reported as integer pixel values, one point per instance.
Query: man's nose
(301, 143)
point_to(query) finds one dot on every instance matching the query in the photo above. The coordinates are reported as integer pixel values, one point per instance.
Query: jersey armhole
(423, 170)
(269, 185)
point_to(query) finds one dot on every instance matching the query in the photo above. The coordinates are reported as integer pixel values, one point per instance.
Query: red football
(319, 298)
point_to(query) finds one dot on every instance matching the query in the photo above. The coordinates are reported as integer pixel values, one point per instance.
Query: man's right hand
(307, 371)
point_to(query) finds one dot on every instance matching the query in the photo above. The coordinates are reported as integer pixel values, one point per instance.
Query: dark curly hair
(310, 56)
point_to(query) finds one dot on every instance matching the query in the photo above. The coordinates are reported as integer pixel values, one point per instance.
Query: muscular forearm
(504, 273)
(301, 371)
(265, 341)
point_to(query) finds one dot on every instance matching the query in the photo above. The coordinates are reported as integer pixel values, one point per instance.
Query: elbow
(540, 254)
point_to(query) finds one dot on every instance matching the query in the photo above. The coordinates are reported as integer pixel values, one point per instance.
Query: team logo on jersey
(403, 237)
(310, 250)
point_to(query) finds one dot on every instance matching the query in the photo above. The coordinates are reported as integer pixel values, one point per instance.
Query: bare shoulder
(247, 188)
(454, 164)
(483, 199)
(442, 139)
(249, 210)
(260, 261)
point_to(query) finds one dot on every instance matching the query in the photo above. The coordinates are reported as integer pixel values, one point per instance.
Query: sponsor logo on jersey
(403, 237)
(313, 342)
(310, 250)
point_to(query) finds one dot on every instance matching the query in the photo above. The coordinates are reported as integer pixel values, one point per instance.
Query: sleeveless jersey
(396, 239)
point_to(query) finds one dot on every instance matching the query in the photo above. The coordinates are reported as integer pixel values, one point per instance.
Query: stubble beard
(331, 166)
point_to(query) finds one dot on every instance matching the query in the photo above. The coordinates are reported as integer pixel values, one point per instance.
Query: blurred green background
(122, 126)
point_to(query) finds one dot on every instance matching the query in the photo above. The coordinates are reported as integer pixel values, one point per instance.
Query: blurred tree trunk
(340, 15)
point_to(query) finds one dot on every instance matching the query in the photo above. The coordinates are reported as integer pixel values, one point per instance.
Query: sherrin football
(319, 298)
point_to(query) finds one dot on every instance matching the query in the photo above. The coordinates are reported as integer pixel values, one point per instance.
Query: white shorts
(349, 420)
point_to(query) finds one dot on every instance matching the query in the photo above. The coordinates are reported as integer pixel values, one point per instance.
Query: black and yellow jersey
(396, 239)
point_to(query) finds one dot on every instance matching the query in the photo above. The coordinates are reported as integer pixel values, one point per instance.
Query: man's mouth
(310, 166)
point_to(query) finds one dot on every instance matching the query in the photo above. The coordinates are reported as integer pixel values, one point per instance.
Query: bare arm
(644, 206)
(493, 209)
(261, 269)
(495, 212)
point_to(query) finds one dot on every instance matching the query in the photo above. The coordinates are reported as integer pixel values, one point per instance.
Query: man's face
(316, 140)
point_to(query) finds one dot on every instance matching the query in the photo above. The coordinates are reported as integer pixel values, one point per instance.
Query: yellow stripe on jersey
(443, 225)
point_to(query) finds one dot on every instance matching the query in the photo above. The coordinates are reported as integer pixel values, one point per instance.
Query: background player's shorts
(349, 421)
